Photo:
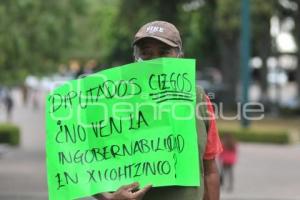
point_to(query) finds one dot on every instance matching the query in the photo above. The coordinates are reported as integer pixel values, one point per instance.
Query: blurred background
(246, 51)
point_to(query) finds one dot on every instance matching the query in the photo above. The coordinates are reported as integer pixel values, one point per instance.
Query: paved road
(264, 172)
(268, 172)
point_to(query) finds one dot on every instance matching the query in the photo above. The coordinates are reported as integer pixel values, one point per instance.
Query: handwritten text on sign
(130, 123)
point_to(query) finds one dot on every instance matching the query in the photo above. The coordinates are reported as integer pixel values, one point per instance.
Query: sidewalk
(22, 169)
(22, 175)
(266, 172)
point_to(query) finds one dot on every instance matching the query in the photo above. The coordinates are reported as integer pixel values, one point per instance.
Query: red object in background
(229, 156)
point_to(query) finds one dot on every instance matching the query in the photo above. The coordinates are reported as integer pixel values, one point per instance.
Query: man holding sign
(162, 39)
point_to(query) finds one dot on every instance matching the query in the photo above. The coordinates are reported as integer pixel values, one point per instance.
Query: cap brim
(168, 42)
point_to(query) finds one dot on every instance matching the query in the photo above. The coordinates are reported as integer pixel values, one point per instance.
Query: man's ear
(135, 53)
(181, 54)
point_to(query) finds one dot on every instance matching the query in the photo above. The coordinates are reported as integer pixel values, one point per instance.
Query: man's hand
(126, 192)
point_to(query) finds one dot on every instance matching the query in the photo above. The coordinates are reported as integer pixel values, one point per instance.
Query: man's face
(149, 48)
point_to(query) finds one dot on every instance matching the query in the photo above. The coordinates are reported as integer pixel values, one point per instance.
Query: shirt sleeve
(213, 144)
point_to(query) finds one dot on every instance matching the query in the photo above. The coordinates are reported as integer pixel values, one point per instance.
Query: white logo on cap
(154, 29)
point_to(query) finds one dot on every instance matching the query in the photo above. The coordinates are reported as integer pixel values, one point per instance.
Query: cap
(160, 30)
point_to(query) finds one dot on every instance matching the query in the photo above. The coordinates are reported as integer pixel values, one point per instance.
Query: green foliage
(199, 34)
(257, 136)
(34, 35)
(37, 36)
(261, 13)
(92, 31)
(131, 15)
(229, 19)
(9, 134)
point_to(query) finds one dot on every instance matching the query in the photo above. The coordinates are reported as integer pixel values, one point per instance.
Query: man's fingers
(106, 195)
(130, 186)
(141, 192)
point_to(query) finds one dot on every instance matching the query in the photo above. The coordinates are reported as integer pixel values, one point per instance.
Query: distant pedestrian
(8, 102)
(228, 159)
(35, 99)
(24, 91)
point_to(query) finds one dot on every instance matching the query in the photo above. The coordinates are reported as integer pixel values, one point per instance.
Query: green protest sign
(130, 123)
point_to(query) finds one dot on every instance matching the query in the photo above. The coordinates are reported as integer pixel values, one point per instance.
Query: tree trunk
(230, 62)
(264, 51)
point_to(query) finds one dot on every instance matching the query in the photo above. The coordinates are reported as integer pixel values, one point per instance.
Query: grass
(267, 130)
(267, 124)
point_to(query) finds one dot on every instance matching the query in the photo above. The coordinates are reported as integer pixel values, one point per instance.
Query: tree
(34, 36)
(131, 15)
(200, 34)
(228, 26)
(261, 13)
